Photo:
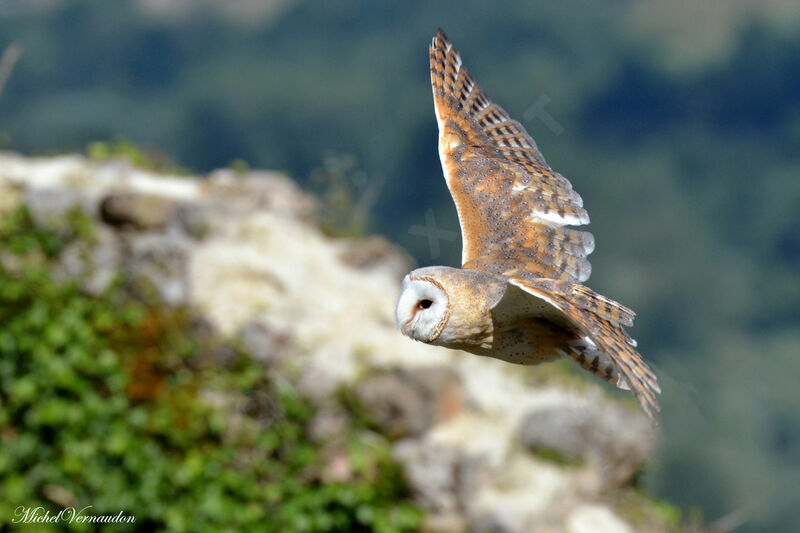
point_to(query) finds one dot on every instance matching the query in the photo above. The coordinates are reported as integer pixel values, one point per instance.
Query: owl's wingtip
(440, 36)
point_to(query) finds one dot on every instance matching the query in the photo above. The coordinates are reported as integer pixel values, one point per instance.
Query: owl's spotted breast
(532, 342)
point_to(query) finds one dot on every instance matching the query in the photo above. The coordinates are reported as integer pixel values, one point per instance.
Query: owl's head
(423, 308)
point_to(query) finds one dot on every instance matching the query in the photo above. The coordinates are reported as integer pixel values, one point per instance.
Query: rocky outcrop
(482, 448)
(408, 402)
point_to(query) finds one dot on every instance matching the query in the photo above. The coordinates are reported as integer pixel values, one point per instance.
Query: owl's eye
(424, 304)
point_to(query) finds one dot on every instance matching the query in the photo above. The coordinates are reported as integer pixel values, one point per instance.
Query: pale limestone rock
(95, 263)
(137, 211)
(9, 196)
(260, 190)
(93, 179)
(159, 261)
(407, 402)
(265, 344)
(430, 471)
(595, 519)
(451, 522)
(374, 253)
(617, 439)
(47, 207)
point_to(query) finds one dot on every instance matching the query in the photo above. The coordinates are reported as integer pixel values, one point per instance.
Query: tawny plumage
(517, 296)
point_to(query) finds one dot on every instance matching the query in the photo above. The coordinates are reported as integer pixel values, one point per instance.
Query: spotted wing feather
(512, 207)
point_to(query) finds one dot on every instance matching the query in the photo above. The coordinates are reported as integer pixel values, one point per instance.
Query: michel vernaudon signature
(40, 515)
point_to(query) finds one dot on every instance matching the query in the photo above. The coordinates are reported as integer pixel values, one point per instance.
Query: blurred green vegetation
(346, 196)
(127, 150)
(690, 174)
(124, 405)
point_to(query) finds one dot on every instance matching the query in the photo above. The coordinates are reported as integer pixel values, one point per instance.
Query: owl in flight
(518, 294)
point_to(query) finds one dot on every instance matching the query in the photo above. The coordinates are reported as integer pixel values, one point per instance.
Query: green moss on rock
(122, 404)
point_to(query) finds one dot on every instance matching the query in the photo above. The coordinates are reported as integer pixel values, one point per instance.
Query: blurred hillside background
(678, 123)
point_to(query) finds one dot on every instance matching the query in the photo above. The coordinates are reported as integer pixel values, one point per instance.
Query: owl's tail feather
(586, 354)
(602, 320)
(623, 367)
(602, 346)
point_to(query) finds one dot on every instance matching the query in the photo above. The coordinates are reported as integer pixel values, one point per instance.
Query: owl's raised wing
(512, 207)
(599, 320)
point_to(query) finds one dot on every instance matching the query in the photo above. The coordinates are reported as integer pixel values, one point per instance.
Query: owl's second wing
(599, 321)
(512, 207)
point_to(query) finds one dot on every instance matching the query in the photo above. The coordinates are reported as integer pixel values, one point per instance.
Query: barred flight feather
(500, 181)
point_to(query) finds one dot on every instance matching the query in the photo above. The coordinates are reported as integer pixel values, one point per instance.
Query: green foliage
(346, 193)
(669, 513)
(556, 456)
(240, 166)
(121, 148)
(122, 405)
(640, 510)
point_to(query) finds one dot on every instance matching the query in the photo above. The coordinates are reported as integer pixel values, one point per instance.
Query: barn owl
(518, 294)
